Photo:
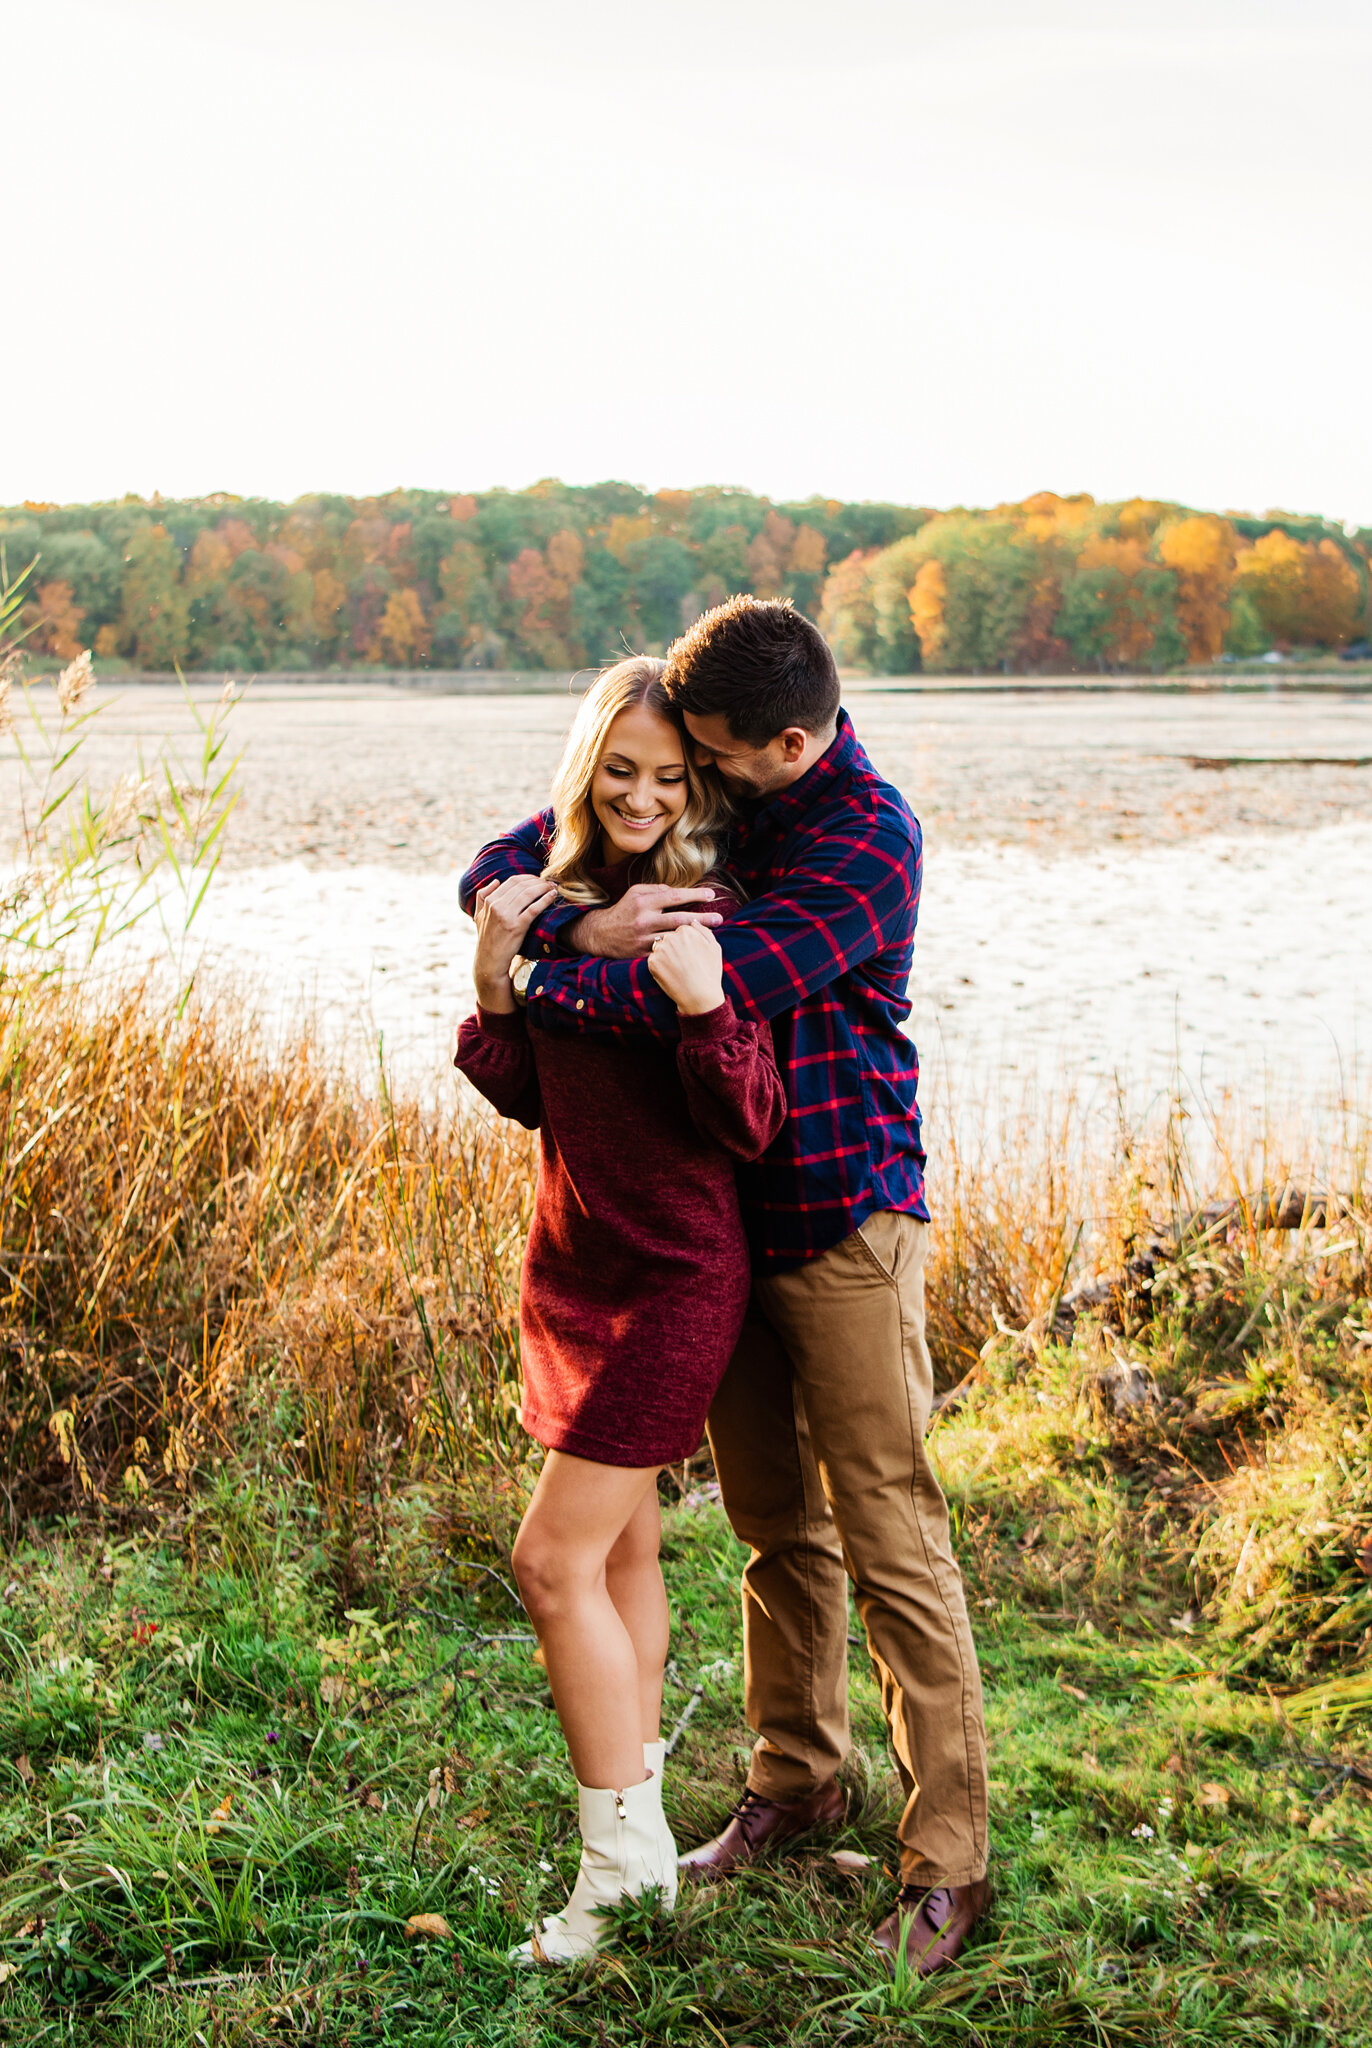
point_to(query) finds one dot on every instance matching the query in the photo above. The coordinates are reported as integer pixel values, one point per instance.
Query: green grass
(1169, 1864)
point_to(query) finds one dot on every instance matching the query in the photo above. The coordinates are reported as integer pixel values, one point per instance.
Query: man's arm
(858, 893)
(523, 851)
(619, 931)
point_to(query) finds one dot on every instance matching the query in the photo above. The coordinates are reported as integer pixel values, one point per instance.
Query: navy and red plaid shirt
(823, 951)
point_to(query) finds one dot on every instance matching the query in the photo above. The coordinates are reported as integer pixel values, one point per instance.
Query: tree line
(559, 576)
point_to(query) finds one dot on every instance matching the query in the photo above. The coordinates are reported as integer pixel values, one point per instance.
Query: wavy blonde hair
(688, 851)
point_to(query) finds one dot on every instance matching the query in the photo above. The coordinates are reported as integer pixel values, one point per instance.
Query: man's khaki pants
(818, 1438)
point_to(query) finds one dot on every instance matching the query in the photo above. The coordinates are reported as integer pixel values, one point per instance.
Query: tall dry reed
(203, 1247)
(209, 1250)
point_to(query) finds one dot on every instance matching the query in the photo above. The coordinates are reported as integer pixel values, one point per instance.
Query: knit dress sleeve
(733, 1089)
(494, 1053)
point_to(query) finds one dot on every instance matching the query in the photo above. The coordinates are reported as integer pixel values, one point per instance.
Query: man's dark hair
(760, 663)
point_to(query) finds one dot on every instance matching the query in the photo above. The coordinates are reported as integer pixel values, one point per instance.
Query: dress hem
(577, 1444)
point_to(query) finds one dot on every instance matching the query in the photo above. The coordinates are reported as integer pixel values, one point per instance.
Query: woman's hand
(504, 912)
(688, 966)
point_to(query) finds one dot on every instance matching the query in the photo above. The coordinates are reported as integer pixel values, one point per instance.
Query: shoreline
(1356, 681)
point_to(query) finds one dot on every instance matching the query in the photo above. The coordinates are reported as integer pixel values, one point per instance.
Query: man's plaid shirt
(823, 950)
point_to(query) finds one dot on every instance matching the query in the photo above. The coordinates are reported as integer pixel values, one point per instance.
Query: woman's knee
(546, 1572)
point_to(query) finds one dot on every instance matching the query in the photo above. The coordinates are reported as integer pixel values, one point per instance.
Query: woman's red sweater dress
(636, 1272)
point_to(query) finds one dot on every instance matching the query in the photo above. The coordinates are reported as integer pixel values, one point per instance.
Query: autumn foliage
(1066, 584)
(556, 577)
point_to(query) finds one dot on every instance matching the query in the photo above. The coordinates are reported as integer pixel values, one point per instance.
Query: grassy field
(267, 1695)
(225, 1798)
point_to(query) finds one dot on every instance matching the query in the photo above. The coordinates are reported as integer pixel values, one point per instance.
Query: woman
(635, 1278)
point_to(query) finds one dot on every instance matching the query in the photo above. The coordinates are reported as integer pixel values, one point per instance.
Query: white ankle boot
(625, 1849)
(655, 1761)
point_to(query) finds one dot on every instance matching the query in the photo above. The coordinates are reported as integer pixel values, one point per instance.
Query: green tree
(1247, 636)
(91, 566)
(600, 605)
(154, 624)
(465, 620)
(661, 573)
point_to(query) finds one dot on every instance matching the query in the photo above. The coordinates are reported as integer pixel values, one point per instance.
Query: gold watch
(520, 970)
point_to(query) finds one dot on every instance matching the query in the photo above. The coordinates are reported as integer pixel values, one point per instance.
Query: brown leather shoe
(757, 1824)
(933, 1925)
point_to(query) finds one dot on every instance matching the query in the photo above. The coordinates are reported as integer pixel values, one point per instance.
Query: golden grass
(211, 1253)
(204, 1247)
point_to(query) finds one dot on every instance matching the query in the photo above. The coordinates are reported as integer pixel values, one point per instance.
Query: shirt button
(537, 989)
(580, 1003)
(546, 951)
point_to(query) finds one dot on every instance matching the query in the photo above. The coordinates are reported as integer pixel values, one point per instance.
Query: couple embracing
(691, 979)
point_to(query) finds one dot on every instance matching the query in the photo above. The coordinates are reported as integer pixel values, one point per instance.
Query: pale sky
(889, 249)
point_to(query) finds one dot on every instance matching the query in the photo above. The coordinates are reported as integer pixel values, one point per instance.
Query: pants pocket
(878, 1243)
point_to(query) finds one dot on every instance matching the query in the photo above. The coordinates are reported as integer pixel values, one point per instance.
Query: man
(817, 1430)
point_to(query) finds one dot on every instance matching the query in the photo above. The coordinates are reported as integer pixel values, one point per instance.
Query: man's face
(747, 772)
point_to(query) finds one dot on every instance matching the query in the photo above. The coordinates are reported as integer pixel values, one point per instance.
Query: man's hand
(504, 912)
(688, 966)
(624, 930)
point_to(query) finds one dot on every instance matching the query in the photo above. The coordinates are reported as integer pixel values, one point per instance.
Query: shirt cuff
(544, 938)
(508, 1024)
(710, 1024)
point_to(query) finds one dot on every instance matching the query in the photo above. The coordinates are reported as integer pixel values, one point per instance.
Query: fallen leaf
(1211, 1794)
(333, 1689)
(1075, 1691)
(1323, 1823)
(220, 1815)
(25, 1768)
(374, 1801)
(1175, 1765)
(8, 1970)
(1090, 1759)
(851, 1859)
(428, 1926)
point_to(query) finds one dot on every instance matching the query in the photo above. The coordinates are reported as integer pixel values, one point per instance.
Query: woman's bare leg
(633, 1576)
(578, 1512)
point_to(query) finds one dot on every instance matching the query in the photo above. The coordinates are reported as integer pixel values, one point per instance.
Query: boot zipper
(620, 1807)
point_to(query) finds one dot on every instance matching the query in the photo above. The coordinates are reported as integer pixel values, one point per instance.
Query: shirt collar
(790, 803)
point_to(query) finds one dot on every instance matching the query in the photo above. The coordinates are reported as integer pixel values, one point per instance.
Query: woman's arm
(494, 1053)
(727, 1068)
(492, 1047)
(504, 912)
(733, 1089)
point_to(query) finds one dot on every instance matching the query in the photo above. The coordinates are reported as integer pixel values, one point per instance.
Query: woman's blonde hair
(688, 851)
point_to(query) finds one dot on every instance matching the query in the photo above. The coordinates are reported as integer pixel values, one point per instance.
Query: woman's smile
(639, 788)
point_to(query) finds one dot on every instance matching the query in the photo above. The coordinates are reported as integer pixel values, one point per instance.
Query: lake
(1122, 885)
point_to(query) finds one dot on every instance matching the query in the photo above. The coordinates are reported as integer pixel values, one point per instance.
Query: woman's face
(639, 788)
